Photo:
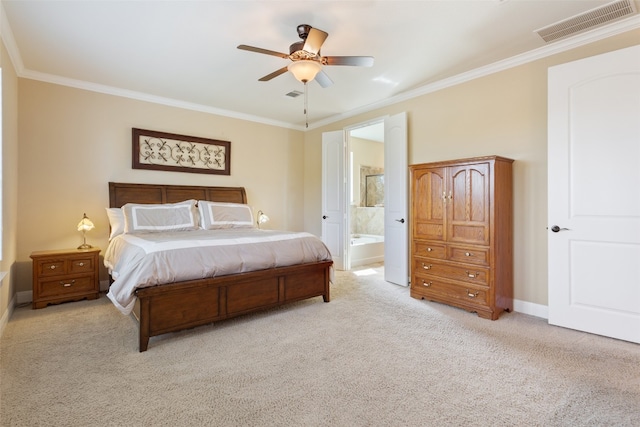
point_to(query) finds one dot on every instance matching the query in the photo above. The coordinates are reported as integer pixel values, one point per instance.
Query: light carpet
(373, 356)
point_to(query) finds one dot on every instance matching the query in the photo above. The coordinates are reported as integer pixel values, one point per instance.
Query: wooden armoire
(461, 234)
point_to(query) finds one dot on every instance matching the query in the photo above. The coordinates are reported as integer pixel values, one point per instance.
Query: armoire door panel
(429, 212)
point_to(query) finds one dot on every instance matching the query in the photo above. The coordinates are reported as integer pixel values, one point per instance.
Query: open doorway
(366, 195)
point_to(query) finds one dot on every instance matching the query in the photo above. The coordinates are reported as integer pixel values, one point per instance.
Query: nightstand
(65, 275)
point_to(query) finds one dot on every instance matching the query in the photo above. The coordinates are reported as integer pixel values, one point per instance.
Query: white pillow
(116, 221)
(160, 217)
(214, 215)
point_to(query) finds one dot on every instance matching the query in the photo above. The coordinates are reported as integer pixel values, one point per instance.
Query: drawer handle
(472, 294)
(53, 267)
(473, 275)
(81, 264)
(426, 267)
(426, 284)
(68, 284)
(429, 249)
(468, 254)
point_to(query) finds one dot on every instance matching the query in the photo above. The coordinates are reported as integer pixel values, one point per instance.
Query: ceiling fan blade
(323, 79)
(265, 51)
(359, 61)
(272, 75)
(314, 41)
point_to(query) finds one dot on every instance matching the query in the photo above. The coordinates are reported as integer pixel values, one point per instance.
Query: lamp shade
(85, 224)
(262, 218)
(304, 70)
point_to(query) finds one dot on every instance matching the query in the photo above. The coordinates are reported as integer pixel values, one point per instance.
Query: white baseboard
(530, 308)
(24, 297)
(7, 315)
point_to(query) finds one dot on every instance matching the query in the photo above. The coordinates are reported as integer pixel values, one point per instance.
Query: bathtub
(366, 249)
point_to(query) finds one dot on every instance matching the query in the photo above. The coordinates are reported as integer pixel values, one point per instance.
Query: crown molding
(10, 42)
(140, 96)
(578, 40)
(560, 46)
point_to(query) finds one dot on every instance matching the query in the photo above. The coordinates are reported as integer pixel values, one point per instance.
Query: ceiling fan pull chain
(306, 111)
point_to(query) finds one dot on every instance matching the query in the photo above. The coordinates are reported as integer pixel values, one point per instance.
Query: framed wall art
(180, 153)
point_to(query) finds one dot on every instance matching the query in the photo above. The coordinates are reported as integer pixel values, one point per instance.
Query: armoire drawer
(468, 273)
(430, 250)
(470, 254)
(440, 290)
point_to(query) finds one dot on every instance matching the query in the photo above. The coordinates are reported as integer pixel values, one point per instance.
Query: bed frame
(183, 305)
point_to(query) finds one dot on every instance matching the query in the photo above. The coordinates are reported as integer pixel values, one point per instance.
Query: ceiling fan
(306, 59)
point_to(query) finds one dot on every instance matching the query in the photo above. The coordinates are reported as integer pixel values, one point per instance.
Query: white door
(333, 196)
(594, 194)
(396, 193)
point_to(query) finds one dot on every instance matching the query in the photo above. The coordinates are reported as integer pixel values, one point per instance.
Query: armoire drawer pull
(468, 254)
(427, 284)
(81, 264)
(429, 249)
(426, 267)
(472, 294)
(67, 284)
(53, 267)
(473, 275)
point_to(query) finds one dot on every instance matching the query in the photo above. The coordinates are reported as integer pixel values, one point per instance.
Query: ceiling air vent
(294, 94)
(585, 21)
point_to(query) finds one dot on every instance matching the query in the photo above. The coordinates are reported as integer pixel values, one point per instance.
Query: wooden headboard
(121, 193)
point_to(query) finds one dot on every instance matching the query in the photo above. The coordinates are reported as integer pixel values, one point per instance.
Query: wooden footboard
(178, 306)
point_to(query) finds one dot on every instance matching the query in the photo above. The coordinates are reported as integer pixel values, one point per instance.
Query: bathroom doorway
(366, 194)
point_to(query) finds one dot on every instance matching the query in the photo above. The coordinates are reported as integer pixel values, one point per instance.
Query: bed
(182, 304)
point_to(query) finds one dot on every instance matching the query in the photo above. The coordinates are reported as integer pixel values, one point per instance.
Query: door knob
(555, 229)
(324, 217)
(401, 220)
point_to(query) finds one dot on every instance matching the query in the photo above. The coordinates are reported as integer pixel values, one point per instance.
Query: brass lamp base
(85, 246)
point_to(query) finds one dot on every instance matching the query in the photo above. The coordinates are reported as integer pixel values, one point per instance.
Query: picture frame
(179, 153)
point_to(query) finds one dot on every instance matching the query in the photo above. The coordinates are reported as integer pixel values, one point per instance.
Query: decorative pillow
(160, 217)
(215, 215)
(116, 221)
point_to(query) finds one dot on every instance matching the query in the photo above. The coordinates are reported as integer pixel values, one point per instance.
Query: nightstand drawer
(51, 267)
(81, 265)
(67, 286)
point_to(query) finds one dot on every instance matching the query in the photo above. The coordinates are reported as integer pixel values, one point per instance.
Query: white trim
(24, 297)
(594, 35)
(524, 58)
(531, 308)
(7, 315)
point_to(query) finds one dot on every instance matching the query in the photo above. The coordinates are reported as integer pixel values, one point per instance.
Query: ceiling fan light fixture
(304, 70)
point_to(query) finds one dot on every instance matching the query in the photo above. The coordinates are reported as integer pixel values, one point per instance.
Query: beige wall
(73, 142)
(9, 147)
(504, 114)
(365, 153)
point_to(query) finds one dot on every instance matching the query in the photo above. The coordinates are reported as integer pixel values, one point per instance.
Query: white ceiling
(184, 53)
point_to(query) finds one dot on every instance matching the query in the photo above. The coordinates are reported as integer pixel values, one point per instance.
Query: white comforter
(141, 260)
